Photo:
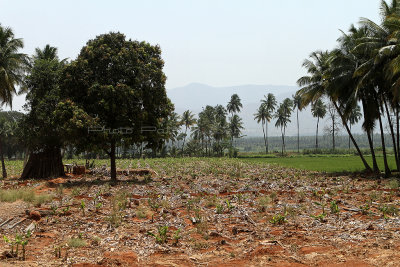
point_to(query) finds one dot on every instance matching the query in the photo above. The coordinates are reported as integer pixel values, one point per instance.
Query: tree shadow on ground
(84, 182)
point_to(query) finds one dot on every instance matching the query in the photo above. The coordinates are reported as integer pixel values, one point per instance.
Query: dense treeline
(307, 144)
(363, 69)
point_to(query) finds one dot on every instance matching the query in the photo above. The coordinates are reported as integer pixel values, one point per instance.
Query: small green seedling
(278, 219)
(219, 209)
(83, 205)
(54, 209)
(57, 251)
(161, 237)
(177, 236)
(334, 207)
(365, 209)
(229, 205)
(65, 210)
(320, 217)
(98, 206)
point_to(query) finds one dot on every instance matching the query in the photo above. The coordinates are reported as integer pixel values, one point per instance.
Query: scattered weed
(76, 243)
(278, 219)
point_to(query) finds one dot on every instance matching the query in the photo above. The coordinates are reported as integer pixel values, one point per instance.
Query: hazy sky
(217, 42)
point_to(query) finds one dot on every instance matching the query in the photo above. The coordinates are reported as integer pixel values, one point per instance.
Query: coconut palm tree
(316, 85)
(187, 120)
(220, 128)
(47, 53)
(234, 105)
(12, 69)
(297, 105)
(173, 124)
(235, 127)
(261, 116)
(318, 110)
(12, 65)
(376, 47)
(282, 115)
(270, 105)
(345, 88)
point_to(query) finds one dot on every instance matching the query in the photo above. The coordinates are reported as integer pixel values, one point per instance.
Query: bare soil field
(202, 212)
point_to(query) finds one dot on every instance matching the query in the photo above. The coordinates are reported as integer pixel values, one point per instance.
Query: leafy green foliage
(121, 84)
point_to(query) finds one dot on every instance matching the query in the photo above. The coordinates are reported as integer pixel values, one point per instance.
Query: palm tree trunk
(392, 134)
(333, 133)
(372, 136)
(316, 137)
(3, 165)
(349, 137)
(266, 133)
(387, 170)
(371, 147)
(265, 140)
(184, 138)
(298, 132)
(366, 165)
(398, 131)
(283, 140)
(284, 133)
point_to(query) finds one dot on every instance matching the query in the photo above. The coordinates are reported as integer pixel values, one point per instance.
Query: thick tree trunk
(387, 169)
(3, 165)
(44, 164)
(112, 158)
(26, 156)
(367, 167)
(392, 134)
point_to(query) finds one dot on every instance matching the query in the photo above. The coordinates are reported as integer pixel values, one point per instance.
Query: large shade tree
(42, 131)
(121, 83)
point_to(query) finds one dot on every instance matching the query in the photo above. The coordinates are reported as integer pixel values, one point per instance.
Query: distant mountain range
(195, 96)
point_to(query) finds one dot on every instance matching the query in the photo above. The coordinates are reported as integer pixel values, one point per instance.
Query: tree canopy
(121, 84)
